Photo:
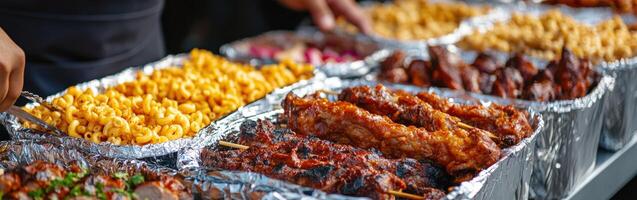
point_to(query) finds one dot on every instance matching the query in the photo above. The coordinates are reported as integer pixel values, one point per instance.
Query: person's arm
(324, 11)
(11, 71)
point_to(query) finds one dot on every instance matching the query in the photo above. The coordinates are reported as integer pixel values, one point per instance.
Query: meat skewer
(507, 122)
(323, 165)
(462, 152)
(407, 109)
(404, 108)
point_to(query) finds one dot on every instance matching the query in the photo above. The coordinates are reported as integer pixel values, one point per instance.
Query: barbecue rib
(462, 153)
(401, 107)
(509, 124)
(324, 165)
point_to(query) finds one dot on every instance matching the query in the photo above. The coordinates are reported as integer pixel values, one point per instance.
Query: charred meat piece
(508, 83)
(345, 123)
(471, 79)
(540, 91)
(396, 75)
(524, 66)
(395, 60)
(419, 71)
(486, 82)
(393, 68)
(508, 123)
(486, 63)
(324, 165)
(446, 70)
(571, 75)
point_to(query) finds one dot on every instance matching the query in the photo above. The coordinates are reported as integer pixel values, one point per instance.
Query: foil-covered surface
(18, 153)
(620, 107)
(162, 153)
(371, 51)
(238, 185)
(567, 148)
(507, 179)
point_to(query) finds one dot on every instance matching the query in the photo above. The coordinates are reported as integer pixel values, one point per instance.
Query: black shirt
(72, 41)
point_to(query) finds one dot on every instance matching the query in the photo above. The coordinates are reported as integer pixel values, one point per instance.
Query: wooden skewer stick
(330, 92)
(405, 195)
(233, 145)
(392, 192)
(467, 126)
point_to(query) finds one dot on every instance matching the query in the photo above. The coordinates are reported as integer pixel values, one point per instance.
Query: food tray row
(566, 148)
(567, 160)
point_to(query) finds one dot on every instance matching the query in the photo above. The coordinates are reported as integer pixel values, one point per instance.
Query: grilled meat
(44, 180)
(419, 71)
(408, 109)
(326, 166)
(446, 69)
(486, 63)
(509, 124)
(346, 123)
(570, 77)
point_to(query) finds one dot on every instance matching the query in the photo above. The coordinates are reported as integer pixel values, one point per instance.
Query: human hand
(11, 71)
(324, 11)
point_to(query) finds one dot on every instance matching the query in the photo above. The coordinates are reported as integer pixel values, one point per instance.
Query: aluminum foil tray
(507, 179)
(462, 30)
(240, 50)
(162, 153)
(18, 153)
(620, 105)
(203, 185)
(567, 148)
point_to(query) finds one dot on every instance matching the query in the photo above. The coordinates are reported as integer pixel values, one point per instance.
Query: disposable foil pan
(620, 107)
(240, 50)
(18, 153)
(464, 28)
(506, 179)
(619, 125)
(164, 153)
(567, 148)
(203, 185)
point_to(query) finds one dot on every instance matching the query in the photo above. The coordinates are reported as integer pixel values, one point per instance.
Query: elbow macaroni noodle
(416, 19)
(170, 103)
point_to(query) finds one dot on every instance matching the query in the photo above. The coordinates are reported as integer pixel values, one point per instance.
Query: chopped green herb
(99, 193)
(123, 192)
(75, 191)
(37, 194)
(1, 194)
(120, 175)
(136, 180)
